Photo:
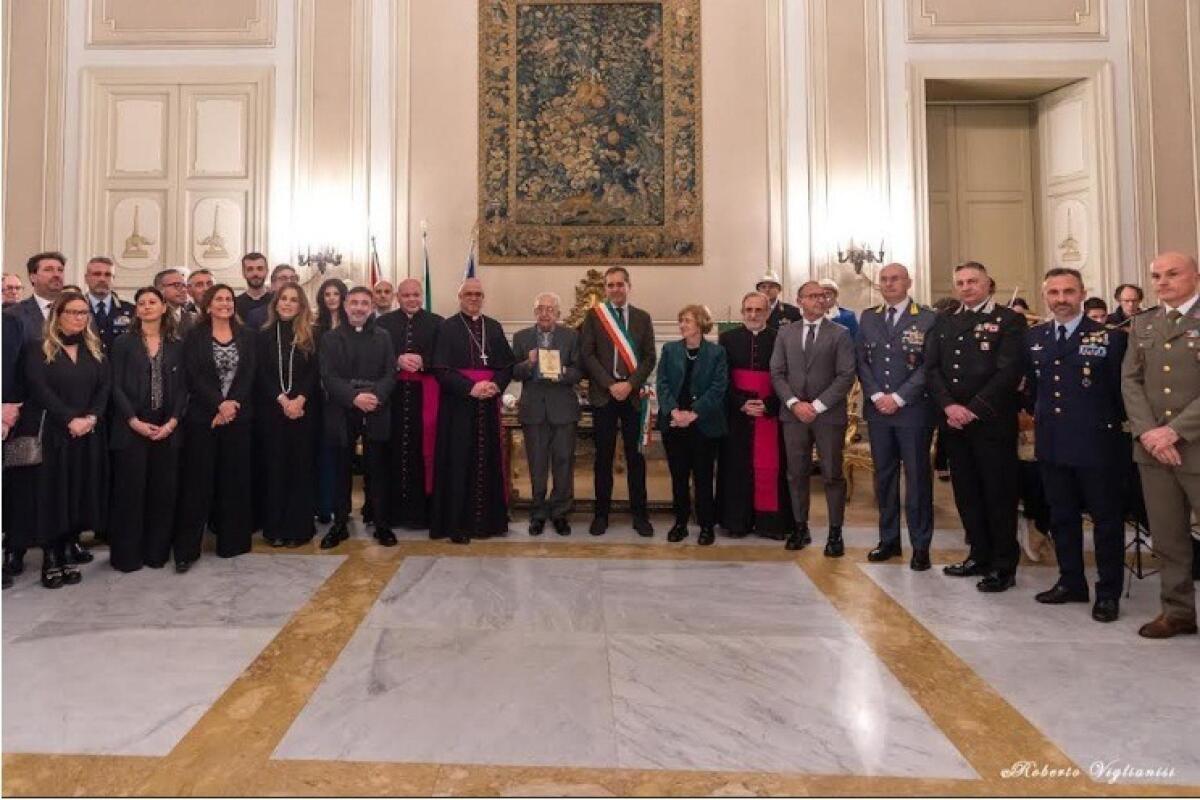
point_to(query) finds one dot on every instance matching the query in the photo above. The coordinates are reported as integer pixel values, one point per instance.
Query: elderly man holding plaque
(549, 411)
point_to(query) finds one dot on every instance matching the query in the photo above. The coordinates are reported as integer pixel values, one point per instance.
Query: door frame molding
(1103, 120)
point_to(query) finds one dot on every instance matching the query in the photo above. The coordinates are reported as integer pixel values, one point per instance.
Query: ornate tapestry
(589, 132)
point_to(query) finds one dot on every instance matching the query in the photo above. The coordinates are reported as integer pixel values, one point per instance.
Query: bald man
(1160, 382)
(414, 405)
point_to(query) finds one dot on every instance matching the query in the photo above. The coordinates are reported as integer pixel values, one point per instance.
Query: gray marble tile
(953, 609)
(778, 704)
(529, 594)
(117, 691)
(726, 597)
(1135, 704)
(462, 696)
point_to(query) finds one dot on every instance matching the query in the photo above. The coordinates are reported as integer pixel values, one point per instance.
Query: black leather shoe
(335, 535)
(707, 536)
(599, 525)
(798, 540)
(275, 541)
(183, 566)
(964, 569)
(885, 550)
(52, 575)
(1059, 594)
(460, 539)
(385, 537)
(561, 526)
(834, 546)
(536, 526)
(14, 561)
(642, 526)
(920, 560)
(324, 519)
(70, 576)
(1107, 609)
(678, 532)
(74, 554)
(996, 582)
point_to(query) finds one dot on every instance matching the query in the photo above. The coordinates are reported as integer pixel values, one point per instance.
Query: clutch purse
(24, 451)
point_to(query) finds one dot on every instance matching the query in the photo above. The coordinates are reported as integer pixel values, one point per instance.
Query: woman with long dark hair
(67, 493)
(219, 364)
(287, 382)
(149, 396)
(331, 312)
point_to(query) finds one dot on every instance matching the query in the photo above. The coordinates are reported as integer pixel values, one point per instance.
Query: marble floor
(585, 666)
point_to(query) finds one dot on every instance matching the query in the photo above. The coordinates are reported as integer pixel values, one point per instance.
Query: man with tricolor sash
(617, 349)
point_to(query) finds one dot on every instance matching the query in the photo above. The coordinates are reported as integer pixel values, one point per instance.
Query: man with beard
(256, 296)
(46, 272)
(414, 406)
(111, 316)
(473, 363)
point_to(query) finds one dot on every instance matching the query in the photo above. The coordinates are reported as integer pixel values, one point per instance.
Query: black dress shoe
(798, 540)
(678, 532)
(52, 576)
(536, 526)
(834, 546)
(74, 554)
(996, 582)
(642, 526)
(458, 538)
(920, 560)
(885, 550)
(964, 569)
(324, 519)
(1107, 609)
(70, 576)
(707, 536)
(385, 537)
(183, 566)
(599, 525)
(14, 561)
(335, 535)
(275, 541)
(1059, 594)
(561, 526)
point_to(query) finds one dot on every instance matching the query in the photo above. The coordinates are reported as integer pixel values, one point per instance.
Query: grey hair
(557, 300)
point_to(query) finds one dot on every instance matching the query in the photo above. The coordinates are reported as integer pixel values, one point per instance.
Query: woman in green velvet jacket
(692, 380)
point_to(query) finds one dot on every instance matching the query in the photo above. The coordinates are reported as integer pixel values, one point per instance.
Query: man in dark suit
(111, 316)
(549, 410)
(1129, 297)
(46, 273)
(199, 281)
(1073, 386)
(173, 285)
(617, 352)
(779, 313)
(812, 372)
(974, 360)
(891, 368)
(13, 387)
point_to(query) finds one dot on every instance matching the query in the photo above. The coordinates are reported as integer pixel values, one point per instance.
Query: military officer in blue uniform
(974, 361)
(111, 316)
(891, 368)
(1073, 388)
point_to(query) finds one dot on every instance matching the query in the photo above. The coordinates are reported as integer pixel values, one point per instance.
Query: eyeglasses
(174, 285)
(546, 309)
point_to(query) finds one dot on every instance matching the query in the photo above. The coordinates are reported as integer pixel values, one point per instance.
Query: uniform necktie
(810, 335)
(1062, 334)
(1173, 315)
(891, 319)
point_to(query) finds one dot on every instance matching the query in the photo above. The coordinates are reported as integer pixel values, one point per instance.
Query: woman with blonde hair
(287, 383)
(67, 492)
(693, 377)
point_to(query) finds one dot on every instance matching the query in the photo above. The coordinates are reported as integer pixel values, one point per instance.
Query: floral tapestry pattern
(589, 132)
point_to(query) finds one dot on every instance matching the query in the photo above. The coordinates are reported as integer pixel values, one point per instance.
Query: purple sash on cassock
(430, 391)
(765, 450)
(475, 376)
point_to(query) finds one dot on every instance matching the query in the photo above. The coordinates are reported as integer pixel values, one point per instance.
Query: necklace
(291, 373)
(479, 342)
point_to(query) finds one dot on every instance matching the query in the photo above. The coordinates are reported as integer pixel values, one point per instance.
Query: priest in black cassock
(473, 363)
(414, 406)
(752, 490)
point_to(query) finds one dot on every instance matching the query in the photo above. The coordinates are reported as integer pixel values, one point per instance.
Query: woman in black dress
(287, 382)
(219, 365)
(68, 381)
(331, 312)
(148, 397)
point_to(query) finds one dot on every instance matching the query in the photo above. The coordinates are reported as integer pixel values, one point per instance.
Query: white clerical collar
(1184, 307)
(752, 331)
(473, 319)
(359, 328)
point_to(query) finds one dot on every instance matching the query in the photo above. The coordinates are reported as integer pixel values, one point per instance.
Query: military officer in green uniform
(1160, 382)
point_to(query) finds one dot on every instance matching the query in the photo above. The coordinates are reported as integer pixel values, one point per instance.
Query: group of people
(197, 407)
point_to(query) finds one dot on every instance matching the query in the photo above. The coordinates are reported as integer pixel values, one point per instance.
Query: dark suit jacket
(13, 386)
(826, 373)
(596, 352)
(710, 382)
(544, 400)
(30, 315)
(334, 355)
(131, 387)
(203, 384)
(977, 360)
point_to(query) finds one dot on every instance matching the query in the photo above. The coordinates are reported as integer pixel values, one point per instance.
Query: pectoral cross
(483, 358)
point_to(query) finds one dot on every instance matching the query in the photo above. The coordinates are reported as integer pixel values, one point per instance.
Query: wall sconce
(858, 255)
(323, 258)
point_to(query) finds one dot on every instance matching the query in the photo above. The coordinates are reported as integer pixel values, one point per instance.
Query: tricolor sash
(430, 392)
(618, 334)
(475, 376)
(764, 453)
